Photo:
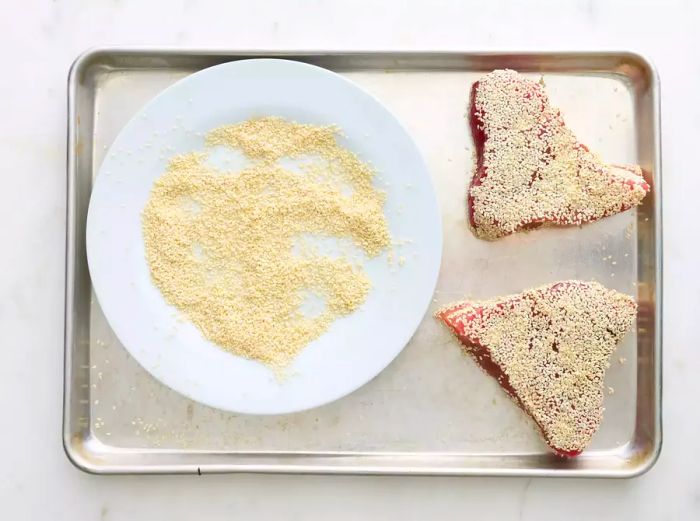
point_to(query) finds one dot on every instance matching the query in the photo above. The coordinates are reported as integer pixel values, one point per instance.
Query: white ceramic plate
(356, 348)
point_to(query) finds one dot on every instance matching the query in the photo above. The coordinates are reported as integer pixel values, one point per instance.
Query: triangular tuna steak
(531, 170)
(548, 348)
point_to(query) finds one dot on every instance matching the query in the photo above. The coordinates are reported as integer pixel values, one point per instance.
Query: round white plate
(355, 348)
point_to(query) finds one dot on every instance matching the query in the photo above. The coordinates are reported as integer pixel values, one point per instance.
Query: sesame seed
(549, 348)
(220, 246)
(531, 170)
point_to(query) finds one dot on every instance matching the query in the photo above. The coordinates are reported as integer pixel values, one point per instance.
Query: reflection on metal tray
(432, 411)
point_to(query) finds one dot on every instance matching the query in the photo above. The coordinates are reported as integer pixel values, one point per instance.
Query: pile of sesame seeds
(220, 244)
(532, 170)
(549, 348)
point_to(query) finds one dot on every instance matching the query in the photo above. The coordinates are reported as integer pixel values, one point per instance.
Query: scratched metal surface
(432, 410)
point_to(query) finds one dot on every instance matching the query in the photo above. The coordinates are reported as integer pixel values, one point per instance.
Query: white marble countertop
(40, 39)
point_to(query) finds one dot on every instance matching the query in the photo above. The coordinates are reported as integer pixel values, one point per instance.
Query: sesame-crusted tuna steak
(548, 348)
(531, 170)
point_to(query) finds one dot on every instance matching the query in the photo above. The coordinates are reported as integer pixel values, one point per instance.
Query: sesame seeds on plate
(220, 244)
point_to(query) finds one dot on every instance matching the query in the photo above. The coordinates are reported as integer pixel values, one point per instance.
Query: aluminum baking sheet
(432, 411)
